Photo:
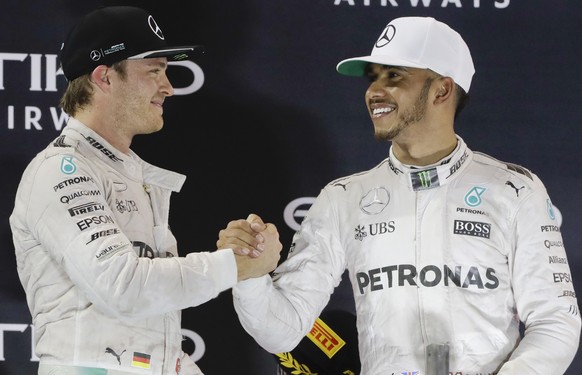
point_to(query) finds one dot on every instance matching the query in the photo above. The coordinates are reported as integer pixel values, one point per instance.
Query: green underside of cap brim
(352, 68)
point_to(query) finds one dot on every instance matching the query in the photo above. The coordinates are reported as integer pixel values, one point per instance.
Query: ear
(444, 89)
(100, 77)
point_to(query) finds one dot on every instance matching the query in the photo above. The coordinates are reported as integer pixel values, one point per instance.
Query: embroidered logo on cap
(386, 36)
(155, 28)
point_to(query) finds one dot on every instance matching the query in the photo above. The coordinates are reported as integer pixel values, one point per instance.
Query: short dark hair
(462, 100)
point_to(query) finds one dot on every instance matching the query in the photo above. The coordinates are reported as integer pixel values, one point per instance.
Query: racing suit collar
(129, 165)
(432, 176)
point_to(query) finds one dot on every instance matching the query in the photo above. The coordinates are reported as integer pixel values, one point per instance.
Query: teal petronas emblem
(67, 165)
(551, 212)
(473, 197)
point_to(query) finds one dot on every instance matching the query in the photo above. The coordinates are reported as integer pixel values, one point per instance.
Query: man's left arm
(543, 291)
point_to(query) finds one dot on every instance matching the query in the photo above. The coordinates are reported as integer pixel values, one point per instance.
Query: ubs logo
(374, 229)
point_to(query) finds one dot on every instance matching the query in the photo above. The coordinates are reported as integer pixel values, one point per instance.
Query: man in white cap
(100, 267)
(450, 252)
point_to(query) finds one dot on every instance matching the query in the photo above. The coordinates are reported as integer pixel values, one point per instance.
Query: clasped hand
(255, 244)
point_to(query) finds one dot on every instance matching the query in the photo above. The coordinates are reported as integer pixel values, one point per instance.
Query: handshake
(255, 244)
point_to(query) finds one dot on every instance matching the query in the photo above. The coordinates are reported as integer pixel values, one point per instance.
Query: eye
(392, 74)
(371, 76)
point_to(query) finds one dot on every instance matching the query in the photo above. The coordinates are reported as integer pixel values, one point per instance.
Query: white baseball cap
(418, 42)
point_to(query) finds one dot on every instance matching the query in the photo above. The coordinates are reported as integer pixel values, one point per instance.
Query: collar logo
(424, 179)
(386, 36)
(155, 28)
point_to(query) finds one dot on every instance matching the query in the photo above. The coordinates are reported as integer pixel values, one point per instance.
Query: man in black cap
(95, 255)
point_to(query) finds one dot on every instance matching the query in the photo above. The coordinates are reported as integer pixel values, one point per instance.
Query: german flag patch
(141, 360)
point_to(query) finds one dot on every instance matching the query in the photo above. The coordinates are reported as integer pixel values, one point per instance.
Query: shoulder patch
(60, 142)
(479, 156)
(519, 169)
(341, 182)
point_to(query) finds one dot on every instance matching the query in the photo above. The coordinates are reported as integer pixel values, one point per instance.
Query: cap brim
(356, 66)
(180, 53)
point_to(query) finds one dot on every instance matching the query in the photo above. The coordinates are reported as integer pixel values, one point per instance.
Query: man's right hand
(261, 238)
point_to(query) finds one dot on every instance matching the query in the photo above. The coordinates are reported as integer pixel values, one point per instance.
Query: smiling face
(397, 99)
(139, 95)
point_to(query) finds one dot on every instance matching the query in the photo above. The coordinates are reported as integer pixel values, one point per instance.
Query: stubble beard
(407, 118)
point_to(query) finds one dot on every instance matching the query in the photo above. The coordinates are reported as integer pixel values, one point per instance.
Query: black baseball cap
(112, 34)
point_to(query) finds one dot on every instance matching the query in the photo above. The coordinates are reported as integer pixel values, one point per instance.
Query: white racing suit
(98, 262)
(456, 253)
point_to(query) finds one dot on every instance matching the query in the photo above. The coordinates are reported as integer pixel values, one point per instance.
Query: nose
(375, 90)
(166, 87)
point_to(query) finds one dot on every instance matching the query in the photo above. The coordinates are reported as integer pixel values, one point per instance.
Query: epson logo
(472, 228)
(562, 277)
(95, 220)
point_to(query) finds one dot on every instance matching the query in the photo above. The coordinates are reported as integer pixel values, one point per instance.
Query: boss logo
(472, 228)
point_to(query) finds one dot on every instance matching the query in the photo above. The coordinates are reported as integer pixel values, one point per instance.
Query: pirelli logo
(325, 338)
(86, 208)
